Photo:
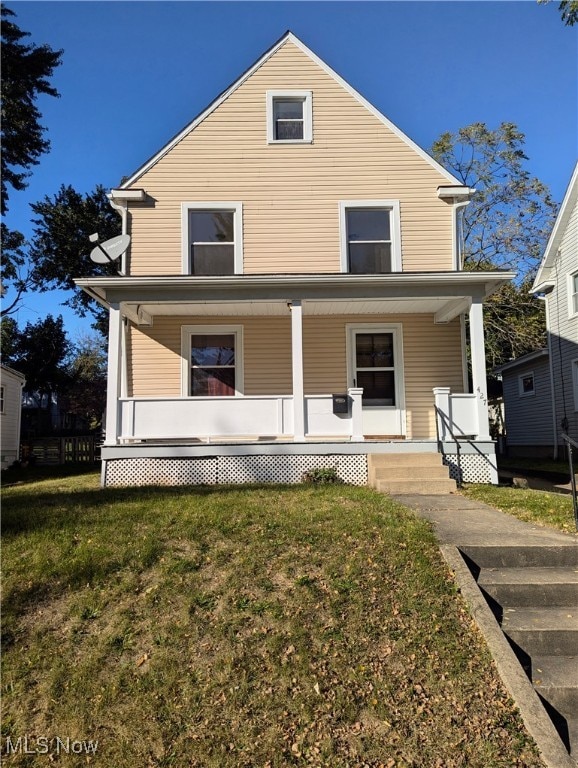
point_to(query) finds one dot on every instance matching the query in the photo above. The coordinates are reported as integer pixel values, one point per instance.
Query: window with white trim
(1, 399)
(212, 238)
(573, 294)
(370, 237)
(526, 384)
(575, 382)
(289, 117)
(212, 360)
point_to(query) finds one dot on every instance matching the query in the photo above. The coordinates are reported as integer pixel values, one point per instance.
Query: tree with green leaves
(26, 72)
(568, 11)
(41, 353)
(85, 393)
(60, 245)
(505, 226)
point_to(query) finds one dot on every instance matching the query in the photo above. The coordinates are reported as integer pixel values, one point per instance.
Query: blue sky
(135, 73)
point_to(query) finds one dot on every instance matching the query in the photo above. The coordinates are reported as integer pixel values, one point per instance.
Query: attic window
(289, 117)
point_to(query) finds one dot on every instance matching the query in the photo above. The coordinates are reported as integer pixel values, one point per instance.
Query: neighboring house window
(370, 237)
(212, 238)
(575, 382)
(289, 117)
(574, 294)
(526, 384)
(1, 399)
(212, 360)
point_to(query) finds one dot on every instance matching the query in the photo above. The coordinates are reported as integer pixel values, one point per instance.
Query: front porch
(236, 376)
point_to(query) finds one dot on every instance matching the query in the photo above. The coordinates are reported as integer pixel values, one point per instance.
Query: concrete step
(531, 587)
(542, 631)
(527, 556)
(404, 459)
(428, 487)
(404, 472)
(555, 679)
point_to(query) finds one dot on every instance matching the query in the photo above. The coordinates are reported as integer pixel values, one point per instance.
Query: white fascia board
(403, 278)
(570, 199)
(289, 36)
(521, 360)
(544, 287)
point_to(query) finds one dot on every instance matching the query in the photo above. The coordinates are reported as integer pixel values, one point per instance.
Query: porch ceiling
(281, 307)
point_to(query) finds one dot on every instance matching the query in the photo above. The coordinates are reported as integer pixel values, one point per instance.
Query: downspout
(458, 235)
(551, 367)
(121, 209)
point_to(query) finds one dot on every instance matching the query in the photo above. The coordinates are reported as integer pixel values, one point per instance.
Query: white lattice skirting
(230, 469)
(473, 468)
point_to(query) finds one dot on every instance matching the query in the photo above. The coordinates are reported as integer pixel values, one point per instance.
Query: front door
(375, 364)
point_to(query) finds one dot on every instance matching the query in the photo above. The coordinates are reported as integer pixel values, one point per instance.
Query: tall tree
(568, 11)
(505, 226)
(40, 352)
(86, 390)
(60, 246)
(26, 72)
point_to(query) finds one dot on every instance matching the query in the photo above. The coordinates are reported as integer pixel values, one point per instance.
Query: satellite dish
(110, 250)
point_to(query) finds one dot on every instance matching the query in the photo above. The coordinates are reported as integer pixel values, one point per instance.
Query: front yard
(257, 626)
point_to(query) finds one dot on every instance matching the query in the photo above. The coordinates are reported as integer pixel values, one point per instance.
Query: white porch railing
(150, 418)
(456, 414)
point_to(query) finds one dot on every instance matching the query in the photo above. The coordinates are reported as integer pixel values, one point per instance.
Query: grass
(259, 626)
(540, 507)
(560, 466)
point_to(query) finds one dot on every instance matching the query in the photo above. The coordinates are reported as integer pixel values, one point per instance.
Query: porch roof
(444, 294)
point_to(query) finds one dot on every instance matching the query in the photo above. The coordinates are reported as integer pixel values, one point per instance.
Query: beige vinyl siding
(10, 417)
(563, 328)
(291, 193)
(428, 352)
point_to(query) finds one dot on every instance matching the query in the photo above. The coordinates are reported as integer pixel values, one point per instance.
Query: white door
(375, 364)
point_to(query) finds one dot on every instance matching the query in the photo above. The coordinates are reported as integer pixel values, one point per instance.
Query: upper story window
(212, 238)
(370, 237)
(289, 117)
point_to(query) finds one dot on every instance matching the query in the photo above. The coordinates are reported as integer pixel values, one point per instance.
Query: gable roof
(570, 198)
(288, 36)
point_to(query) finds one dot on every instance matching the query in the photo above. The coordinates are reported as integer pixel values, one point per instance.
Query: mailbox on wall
(341, 403)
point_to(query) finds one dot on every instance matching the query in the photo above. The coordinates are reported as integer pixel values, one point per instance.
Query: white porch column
(297, 368)
(114, 375)
(355, 394)
(479, 368)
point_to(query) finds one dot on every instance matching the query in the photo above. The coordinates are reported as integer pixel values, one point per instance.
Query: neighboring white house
(11, 384)
(541, 389)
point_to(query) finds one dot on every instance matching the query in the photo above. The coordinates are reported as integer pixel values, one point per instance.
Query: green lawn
(540, 507)
(241, 626)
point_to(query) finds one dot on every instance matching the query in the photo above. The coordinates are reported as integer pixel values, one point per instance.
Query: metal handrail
(446, 421)
(572, 444)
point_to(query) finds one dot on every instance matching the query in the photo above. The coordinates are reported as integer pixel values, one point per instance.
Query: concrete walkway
(461, 521)
(494, 540)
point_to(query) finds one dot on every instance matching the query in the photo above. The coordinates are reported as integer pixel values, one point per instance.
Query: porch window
(289, 117)
(370, 237)
(212, 239)
(211, 355)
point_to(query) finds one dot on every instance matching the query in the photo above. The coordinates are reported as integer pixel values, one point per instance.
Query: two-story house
(293, 294)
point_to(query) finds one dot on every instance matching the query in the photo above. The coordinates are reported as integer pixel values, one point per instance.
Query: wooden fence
(61, 450)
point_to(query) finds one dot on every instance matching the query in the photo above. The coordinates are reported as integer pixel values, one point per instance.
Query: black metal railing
(446, 421)
(571, 446)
